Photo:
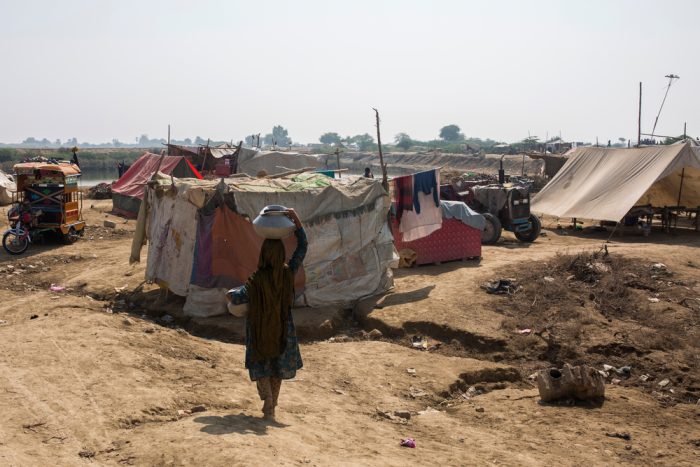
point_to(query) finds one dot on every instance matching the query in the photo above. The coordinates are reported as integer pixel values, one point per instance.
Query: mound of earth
(606, 310)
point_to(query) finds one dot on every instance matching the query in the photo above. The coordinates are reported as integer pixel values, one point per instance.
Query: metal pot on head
(273, 223)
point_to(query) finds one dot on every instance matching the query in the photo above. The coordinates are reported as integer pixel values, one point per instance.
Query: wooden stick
(291, 172)
(385, 180)
(337, 157)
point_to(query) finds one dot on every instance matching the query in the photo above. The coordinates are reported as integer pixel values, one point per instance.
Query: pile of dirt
(100, 191)
(635, 321)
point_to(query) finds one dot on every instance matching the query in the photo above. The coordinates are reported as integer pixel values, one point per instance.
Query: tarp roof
(273, 162)
(134, 180)
(222, 150)
(313, 195)
(66, 168)
(605, 183)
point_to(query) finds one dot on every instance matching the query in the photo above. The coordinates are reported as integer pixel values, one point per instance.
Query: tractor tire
(530, 235)
(492, 229)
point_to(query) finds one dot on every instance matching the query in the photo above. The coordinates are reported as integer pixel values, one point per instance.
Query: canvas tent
(127, 192)
(201, 241)
(605, 183)
(274, 162)
(7, 186)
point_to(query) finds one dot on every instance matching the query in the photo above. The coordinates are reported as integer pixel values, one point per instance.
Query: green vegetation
(403, 141)
(451, 133)
(89, 159)
(330, 138)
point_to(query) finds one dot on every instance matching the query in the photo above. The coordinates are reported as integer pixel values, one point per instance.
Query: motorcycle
(17, 238)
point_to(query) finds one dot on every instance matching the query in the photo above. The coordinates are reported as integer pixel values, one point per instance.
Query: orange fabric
(236, 248)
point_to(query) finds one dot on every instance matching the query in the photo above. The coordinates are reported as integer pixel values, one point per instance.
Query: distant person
(271, 347)
(368, 173)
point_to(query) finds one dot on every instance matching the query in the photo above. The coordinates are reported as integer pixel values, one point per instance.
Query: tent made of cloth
(201, 240)
(274, 162)
(7, 186)
(605, 183)
(128, 191)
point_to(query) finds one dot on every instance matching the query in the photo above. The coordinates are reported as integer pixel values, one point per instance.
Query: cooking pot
(273, 222)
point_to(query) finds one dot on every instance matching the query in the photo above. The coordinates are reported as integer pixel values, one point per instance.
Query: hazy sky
(98, 69)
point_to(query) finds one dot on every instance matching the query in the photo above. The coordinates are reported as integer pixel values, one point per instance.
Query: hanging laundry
(414, 226)
(425, 182)
(403, 193)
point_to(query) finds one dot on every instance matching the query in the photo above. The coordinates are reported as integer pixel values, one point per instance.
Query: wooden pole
(639, 117)
(337, 158)
(385, 179)
(685, 127)
(236, 156)
(680, 188)
(204, 159)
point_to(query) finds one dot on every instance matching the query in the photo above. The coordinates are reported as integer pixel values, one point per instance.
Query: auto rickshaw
(47, 199)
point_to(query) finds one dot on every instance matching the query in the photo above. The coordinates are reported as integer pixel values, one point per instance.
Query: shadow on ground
(241, 423)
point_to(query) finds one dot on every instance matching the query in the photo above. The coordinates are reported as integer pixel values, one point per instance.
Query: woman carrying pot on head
(272, 351)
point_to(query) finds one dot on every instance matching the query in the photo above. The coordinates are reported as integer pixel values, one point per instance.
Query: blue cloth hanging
(425, 182)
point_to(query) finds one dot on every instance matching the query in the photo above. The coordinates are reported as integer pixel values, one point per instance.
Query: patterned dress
(286, 365)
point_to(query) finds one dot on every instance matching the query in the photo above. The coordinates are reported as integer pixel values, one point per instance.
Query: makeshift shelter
(439, 230)
(128, 191)
(274, 162)
(605, 183)
(7, 186)
(201, 240)
(207, 158)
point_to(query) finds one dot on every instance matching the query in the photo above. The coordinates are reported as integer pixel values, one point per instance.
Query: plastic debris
(501, 287)
(411, 371)
(524, 331)
(419, 342)
(57, 288)
(654, 300)
(664, 382)
(408, 443)
(625, 436)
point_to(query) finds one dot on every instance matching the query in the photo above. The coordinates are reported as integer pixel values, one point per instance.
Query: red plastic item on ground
(455, 240)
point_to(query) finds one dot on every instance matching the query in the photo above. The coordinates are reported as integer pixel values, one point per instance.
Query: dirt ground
(94, 375)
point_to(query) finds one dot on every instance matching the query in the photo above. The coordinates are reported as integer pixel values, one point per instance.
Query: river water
(92, 177)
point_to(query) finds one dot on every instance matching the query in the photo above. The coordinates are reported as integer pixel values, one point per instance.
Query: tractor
(503, 205)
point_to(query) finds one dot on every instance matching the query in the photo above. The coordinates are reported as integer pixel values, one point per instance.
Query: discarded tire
(577, 382)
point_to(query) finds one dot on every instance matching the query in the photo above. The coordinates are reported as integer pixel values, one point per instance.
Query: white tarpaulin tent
(7, 186)
(605, 183)
(274, 162)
